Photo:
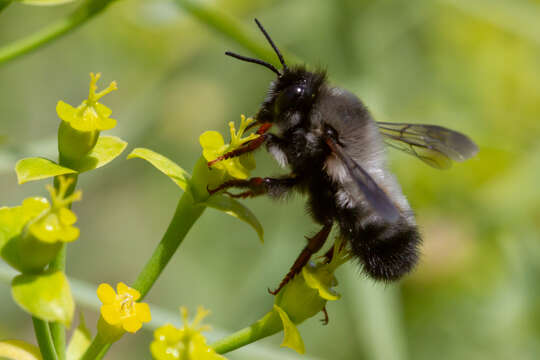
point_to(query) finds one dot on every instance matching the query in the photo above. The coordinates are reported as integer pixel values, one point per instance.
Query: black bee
(336, 153)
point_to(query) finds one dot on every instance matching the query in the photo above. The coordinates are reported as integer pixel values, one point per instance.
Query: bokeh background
(473, 66)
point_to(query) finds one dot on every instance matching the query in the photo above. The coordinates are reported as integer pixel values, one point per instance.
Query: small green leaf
(291, 335)
(163, 164)
(46, 296)
(18, 350)
(80, 341)
(106, 150)
(234, 208)
(37, 168)
(45, 2)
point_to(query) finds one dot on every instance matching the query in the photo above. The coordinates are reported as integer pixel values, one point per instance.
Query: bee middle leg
(314, 244)
(257, 186)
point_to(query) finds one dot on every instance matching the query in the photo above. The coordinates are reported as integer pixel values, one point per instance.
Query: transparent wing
(435, 145)
(375, 196)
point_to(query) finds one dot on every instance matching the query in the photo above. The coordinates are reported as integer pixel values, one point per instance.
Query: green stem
(53, 31)
(231, 28)
(58, 330)
(4, 4)
(187, 212)
(270, 324)
(43, 335)
(97, 348)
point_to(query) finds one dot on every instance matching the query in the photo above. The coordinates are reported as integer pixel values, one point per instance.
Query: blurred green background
(473, 66)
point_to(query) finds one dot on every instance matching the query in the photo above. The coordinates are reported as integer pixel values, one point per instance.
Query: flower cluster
(186, 343)
(56, 222)
(33, 232)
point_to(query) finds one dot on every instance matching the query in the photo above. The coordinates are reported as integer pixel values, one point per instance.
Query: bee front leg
(257, 186)
(249, 147)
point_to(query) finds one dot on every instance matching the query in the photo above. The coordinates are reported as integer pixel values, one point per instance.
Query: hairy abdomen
(386, 251)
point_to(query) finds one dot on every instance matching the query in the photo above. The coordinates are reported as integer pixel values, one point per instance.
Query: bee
(336, 153)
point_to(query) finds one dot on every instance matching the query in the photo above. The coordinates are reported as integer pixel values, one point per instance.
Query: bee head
(294, 90)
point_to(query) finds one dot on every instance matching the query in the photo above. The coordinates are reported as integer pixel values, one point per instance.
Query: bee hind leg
(315, 243)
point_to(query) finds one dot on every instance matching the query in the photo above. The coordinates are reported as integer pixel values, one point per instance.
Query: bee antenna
(281, 60)
(253, 60)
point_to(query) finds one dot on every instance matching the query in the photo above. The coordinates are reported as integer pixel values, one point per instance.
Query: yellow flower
(80, 127)
(56, 223)
(214, 146)
(89, 115)
(307, 294)
(186, 343)
(120, 309)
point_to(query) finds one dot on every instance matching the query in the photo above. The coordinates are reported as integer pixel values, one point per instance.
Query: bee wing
(435, 145)
(375, 196)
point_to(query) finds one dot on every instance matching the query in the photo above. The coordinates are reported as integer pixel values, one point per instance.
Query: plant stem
(58, 330)
(186, 214)
(4, 4)
(97, 348)
(53, 31)
(43, 335)
(231, 28)
(268, 325)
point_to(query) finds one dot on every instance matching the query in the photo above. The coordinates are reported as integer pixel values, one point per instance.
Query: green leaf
(80, 341)
(37, 168)
(238, 210)
(291, 335)
(106, 150)
(46, 296)
(45, 2)
(163, 164)
(18, 350)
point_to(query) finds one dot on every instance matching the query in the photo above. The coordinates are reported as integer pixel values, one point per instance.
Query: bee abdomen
(387, 252)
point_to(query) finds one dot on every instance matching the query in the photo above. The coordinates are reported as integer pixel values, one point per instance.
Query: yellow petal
(65, 111)
(67, 217)
(106, 293)
(321, 281)
(211, 140)
(105, 123)
(69, 233)
(291, 335)
(142, 311)
(111, 314)
(35, 205)
(122, 288)
(102, 110)
(131, 324)
(235, 169)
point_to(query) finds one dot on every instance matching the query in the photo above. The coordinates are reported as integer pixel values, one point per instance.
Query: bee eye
(289, 98)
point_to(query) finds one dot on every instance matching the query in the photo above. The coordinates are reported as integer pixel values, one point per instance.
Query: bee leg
(249, 147)
(257, 186)
(326, 317)
(314, 244)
